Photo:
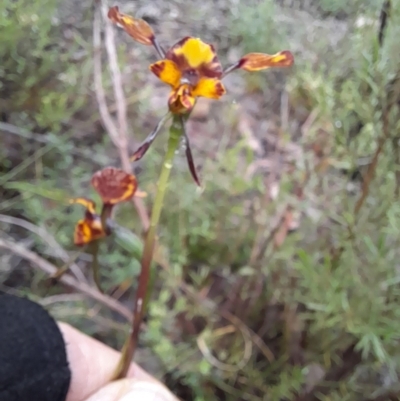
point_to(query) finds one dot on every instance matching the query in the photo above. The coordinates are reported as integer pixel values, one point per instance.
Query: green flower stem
(175, 133)
(93, 249)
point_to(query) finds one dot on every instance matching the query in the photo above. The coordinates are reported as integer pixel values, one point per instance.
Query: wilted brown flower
(90, 228)
(114, 186)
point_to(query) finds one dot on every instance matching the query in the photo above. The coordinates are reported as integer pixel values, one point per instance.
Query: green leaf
(127, 240)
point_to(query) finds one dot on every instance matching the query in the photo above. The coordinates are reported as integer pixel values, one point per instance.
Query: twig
(255, 338)
(390, 101)
(270, 237)
(305, 128)
(98, 84)
(116, 80)
(207, 354)
(212, 306)
(12, 129)
(118, 134)
(49, 239)
(50, 269)
(55, 299)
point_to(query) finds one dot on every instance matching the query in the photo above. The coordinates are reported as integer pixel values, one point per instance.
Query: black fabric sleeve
(33, 360)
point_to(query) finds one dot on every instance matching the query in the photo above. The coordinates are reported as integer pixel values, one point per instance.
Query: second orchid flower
(114, 186)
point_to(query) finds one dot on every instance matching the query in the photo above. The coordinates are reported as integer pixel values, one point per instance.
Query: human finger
(92, 364)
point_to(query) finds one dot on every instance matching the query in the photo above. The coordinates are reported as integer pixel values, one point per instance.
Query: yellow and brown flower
(192, 69)
(89, 228)
(191, 66)
(114, 186)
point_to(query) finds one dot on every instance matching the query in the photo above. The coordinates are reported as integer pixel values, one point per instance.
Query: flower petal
(87, 203)
(114, 185)
(195, 51)
(87, 231)
(193, 54)
(167, 71)
(189, 156)
(138, 29)
(181, 100)
(261, 61)
(143, 148)
(209, 87)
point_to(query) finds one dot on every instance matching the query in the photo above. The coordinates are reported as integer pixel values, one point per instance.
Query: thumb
(133, 390)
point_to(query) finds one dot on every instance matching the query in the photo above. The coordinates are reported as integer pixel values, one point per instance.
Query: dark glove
(33, 360)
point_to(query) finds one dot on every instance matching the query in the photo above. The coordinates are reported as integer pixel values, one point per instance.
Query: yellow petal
(87, 203)
(138, 29)
(209, 87)
(87, 231)
(261, 61)
(181, 100)
(195, 51)
(167, 71)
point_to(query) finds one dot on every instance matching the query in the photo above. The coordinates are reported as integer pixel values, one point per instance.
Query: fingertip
(92, 364)
(133, 389)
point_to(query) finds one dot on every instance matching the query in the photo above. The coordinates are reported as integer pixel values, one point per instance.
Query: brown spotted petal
(261, 61)
(167, 71)
(138, 29)
(195, 59)
(189, 156)
(144, 147)
(114, 185)
(211, 88)
(88, 230)
(181, 100)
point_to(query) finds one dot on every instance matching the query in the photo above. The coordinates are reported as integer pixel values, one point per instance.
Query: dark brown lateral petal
(138, 29)
(261, 61)
(144, 147)
(189, 156)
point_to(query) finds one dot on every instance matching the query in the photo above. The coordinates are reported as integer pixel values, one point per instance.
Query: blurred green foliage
(325, 295)
(37, 74)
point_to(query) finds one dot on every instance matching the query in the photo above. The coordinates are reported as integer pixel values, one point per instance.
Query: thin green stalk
(63, 269)
(175, 133)
(94, 251)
